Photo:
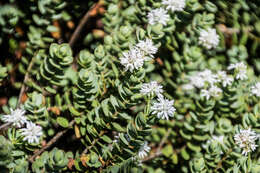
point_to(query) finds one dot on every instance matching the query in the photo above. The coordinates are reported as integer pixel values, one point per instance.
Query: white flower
(133, 59)
(224, 78)
(240, 70)
(196, 81)
(209, 38)
(32, 132)
(246, 140)
(151, 88)
(208, 76)
(16, 117)
(200, 79)
(255, 90)
(147, 47)
(174, 5)
(163, 108)
(144, 150)
(213, 91)
(187, 86)
(158, 15)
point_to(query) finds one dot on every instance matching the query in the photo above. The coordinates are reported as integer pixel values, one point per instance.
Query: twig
(82, 23)
(51, 142)
(158, 151)
(23, 88)
(95, 141)
(3, 126)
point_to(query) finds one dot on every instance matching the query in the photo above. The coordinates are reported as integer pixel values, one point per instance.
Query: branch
(23, 88)
(51, 142)
(3, 126)
(83, 22)
(95, 141)
(158, 151)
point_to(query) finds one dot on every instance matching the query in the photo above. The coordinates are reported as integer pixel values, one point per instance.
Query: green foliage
(54, 66)
(83, 91)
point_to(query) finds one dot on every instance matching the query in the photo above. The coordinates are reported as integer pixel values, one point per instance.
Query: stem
(94, 142)
(51, 142)
(23, 88)
(158, 151)
(3, 126)
(84, 20)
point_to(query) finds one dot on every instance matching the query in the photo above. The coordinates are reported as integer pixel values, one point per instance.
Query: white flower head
(224, 78)
(197, 81)
(144, 150)
(213, 91)
(151, 88)
(208, 76)
(163, 108)
(246, 140)
(32, 132)
(209, 38)
(200, 79)
(240, 70)
(133, 59)
(158, 15)
(16, 117)
(188, 86)
(147, 47)
(255, 90)
(174, 5)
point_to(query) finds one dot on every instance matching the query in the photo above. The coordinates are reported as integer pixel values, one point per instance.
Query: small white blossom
(147, 47)
(200, 79)
(32, 132)
(255, 90)
(208, 76)
(151, 88)
(158, 15)
(196, 81)
(16, 117)
(246, 140)
(187, 86)
(240, 70)
(224, 78)
(163, 108)
(213, 91)
(209, 38)
(174, 5)
(133, 59)
(144, 150)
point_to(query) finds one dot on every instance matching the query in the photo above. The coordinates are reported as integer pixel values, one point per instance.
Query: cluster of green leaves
(111, 117)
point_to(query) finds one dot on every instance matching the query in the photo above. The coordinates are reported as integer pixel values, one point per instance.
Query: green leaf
(168, 150)
(63, 122)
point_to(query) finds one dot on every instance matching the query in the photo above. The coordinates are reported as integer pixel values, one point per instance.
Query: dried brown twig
(51, 142)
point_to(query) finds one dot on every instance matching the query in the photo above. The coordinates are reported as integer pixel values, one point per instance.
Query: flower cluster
(161, 16)
(151, 88)
(31, 133)
(16, 118)
(210, 83)
(209, 38)
(163, 108)
(144, 150)
(255, 90)
(246, 140)
(240, 70)
(136, 56)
